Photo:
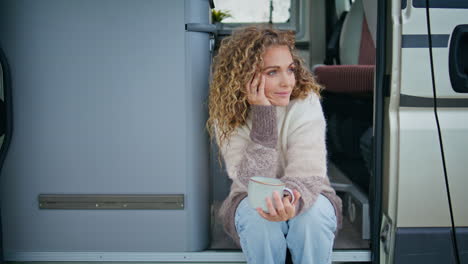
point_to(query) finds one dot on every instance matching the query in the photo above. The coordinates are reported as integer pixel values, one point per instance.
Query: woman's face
(278, 70)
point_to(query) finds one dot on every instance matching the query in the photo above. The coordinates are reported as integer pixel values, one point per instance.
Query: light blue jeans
(309, 236)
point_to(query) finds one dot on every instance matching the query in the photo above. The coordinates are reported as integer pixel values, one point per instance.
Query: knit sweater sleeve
(306, 169)
(252, 152)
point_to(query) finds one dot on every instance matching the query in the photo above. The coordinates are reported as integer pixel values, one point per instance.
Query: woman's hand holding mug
(256, 91)
(282, 210)
(266, 196)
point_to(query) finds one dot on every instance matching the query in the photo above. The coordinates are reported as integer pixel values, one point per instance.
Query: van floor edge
(209, 256)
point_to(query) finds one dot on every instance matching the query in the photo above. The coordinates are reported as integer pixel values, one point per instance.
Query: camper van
(105, 156)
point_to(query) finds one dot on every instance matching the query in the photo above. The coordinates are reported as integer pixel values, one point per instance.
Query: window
(258, 11)
(285, 14)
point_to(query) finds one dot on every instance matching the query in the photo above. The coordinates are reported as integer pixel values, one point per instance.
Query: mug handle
(291, 193)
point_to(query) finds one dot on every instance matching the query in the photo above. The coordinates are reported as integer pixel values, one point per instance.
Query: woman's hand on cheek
(256, 91)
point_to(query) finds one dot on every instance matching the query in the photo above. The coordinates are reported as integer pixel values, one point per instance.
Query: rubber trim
(418, 101)
(451, 4)
(423, 245)
(8, 126)
(422, 41)
(375, 192)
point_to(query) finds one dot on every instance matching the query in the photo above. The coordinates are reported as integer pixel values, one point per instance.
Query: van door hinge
(385, 236)
(215, 29)
(200, 27)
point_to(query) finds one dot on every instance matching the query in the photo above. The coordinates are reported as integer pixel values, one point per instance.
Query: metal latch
(385, 236)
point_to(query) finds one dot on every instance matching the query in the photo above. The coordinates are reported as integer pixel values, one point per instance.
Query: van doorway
(338, 40)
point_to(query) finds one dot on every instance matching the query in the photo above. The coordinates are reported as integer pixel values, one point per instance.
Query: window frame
(297, 21)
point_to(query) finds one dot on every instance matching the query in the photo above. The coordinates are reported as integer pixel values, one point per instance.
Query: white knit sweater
(283, 142)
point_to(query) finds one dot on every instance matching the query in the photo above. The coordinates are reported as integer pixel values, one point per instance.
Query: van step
(209, 256)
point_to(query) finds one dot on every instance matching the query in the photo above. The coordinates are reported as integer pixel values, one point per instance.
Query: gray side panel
(197, 155)
(462, 240)
(102, 106)
(423, 245)
(197, 65)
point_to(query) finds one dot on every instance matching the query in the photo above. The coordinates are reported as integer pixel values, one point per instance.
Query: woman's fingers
(279, 205)
(254, 84)
(297, 196)
(263, 214)
(256, 90)
(271, 208)
(261, 86)
(253, 87)
(290, 210)
(280, 208)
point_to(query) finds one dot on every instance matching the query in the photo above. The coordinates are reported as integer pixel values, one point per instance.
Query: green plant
(219, 15)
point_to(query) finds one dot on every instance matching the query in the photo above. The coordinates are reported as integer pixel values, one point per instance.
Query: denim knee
(247, 220)
(311, 234)
(322, 213)
(262, 241)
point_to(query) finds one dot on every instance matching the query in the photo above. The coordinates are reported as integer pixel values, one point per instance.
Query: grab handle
(458, 59)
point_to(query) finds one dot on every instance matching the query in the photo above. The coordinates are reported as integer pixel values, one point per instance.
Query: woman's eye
(271, 73)
(292, 69)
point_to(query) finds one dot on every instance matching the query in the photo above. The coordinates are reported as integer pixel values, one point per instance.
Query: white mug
(262, 187)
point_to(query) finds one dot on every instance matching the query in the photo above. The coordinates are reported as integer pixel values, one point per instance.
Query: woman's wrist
(264, 125)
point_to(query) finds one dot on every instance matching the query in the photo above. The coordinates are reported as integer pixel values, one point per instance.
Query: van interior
(337, 41)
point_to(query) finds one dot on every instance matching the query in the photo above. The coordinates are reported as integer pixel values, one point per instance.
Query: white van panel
(414, 20)
(415, 62)
(443, 21)
(416, 73)
(454, 124)
(422, 192)
(415, 65)
(422, 200)
(441, 73)
(453, 121)
(422, 165)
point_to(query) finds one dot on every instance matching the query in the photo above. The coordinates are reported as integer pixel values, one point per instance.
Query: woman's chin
(281, 102)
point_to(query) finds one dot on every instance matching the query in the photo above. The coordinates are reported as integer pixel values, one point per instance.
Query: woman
(266, 115)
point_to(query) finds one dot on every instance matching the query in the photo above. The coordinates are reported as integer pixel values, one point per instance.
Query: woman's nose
(287, 80)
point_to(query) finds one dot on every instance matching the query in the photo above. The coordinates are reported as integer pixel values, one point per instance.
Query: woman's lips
(283, 94)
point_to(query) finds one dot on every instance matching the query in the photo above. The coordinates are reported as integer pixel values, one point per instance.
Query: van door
(431, 121)
(109, 152)
(448, 24)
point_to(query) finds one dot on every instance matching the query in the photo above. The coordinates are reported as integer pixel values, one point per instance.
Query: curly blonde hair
(240, 56)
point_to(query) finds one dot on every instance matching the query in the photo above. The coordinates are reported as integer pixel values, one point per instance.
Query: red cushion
(346, 78)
